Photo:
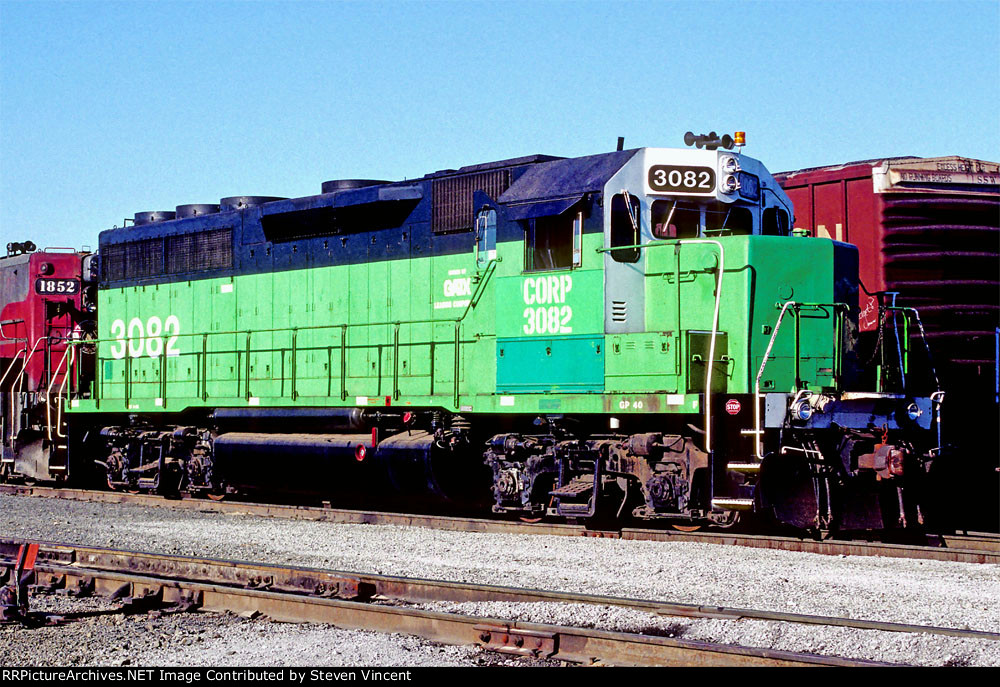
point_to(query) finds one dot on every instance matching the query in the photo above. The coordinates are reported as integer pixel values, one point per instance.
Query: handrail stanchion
(395, 362)
(295, 359)
(248, 367)
(458, 325)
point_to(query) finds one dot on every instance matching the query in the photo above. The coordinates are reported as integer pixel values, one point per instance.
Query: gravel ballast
(958, 595)
(102, 636)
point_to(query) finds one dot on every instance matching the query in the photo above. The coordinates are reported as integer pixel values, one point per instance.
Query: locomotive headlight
(729, 184)
(913, 411)
(730, 165)
(802, 411)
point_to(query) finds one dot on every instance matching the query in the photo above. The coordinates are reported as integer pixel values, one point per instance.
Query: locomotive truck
(631, 334)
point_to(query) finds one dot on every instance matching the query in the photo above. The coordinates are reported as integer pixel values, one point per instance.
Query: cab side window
(486, 237)
(553, 242)
(625, 228)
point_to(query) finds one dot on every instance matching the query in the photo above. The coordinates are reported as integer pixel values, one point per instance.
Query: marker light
(740, 138)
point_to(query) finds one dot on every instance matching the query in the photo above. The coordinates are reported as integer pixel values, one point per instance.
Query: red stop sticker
(732, 406)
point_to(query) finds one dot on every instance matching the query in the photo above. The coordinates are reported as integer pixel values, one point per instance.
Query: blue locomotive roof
(370, 195)
(565, 178)
(434, 214)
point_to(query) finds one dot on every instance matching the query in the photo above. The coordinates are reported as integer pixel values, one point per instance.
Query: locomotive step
(733, 504)
(573, 509)
(746, 468)
(575, 487)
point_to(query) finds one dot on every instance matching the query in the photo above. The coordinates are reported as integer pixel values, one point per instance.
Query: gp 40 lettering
(140, 338)
(547, 319)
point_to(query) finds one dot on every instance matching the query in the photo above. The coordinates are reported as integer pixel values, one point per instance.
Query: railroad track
(384, 603)
(964, 548)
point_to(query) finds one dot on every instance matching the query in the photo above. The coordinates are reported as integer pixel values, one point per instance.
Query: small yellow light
(740, 138)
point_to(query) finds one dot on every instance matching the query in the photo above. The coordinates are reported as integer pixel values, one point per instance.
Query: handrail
(474, 299)
(796, 307)
(4, 337)
(21, 352)
(48, 393)
(923, 338)
(59, 398)
(715, 329)
(760, 373)
(710, 366)
(19, 382)
(3, 415)
(472, 303)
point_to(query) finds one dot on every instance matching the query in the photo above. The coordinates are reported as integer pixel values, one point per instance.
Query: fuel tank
(409, 467)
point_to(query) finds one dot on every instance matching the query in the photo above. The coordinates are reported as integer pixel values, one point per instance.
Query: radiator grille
(452, 206)
(143, 258)
(199, 252)
(208, 250)
(113, 262)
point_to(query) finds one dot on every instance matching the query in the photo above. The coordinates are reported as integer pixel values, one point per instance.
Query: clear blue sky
(108, 109)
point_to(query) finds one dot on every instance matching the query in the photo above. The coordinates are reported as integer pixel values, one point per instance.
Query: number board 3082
(678, 179)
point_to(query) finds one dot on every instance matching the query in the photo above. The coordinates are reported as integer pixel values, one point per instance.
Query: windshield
(685, 219)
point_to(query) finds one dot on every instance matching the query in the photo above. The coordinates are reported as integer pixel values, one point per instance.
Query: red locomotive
(45, 301)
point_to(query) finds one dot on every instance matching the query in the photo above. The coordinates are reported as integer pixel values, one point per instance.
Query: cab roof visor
(542, 208)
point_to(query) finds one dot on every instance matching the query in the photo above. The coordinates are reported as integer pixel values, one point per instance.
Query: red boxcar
(928, 229)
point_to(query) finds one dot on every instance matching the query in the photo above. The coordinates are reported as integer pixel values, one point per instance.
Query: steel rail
(981, 548)
(81, 568)
(295, 579)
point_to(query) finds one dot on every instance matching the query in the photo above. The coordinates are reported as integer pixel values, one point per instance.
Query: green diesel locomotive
(629, 334)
